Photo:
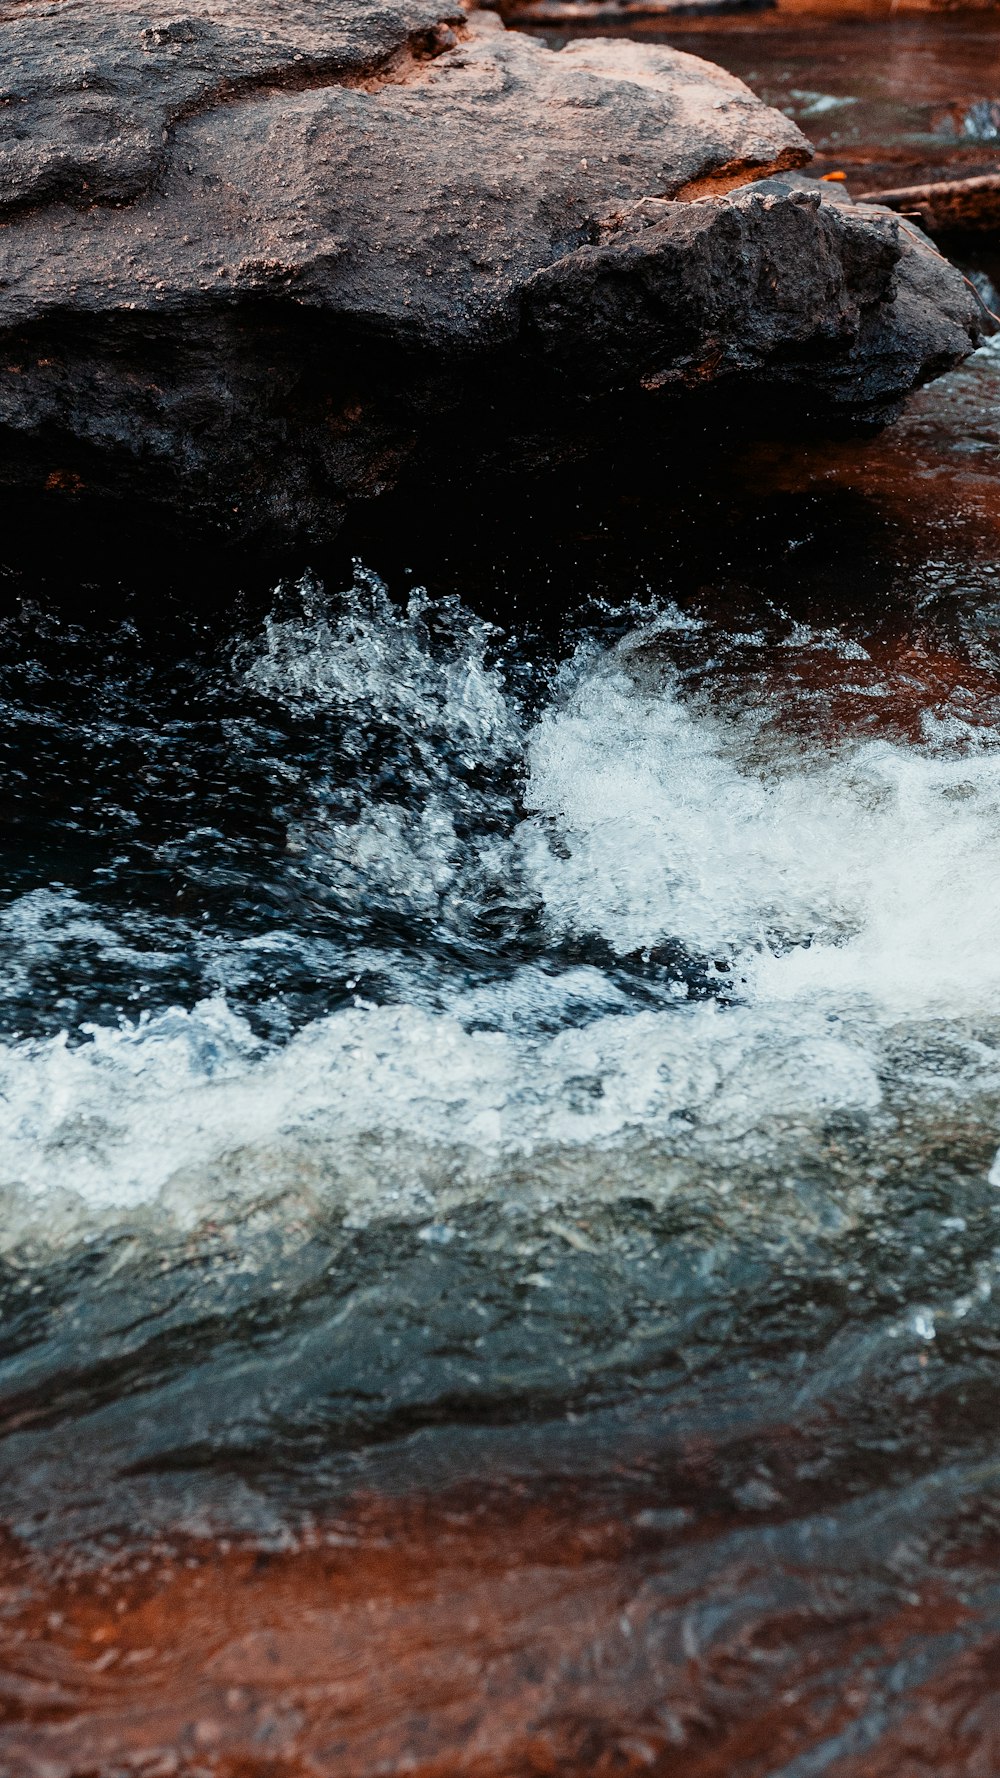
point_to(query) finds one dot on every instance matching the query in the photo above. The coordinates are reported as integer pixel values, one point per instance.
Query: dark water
(499, 1097)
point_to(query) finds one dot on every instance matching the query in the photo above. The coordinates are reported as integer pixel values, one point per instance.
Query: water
(394, 888)
(499, 1116)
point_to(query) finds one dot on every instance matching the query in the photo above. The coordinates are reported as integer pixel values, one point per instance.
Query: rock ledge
(255, 260)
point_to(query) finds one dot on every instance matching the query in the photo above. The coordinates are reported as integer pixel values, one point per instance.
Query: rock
(256, 259)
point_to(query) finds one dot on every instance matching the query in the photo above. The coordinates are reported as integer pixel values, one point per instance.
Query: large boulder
(255, 258)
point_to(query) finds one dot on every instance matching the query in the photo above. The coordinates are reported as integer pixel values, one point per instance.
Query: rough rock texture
(255, 258)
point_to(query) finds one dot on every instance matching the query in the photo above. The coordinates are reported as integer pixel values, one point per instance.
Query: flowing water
(499, 1117)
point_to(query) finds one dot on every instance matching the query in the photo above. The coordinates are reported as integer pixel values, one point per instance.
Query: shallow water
(499, 1114)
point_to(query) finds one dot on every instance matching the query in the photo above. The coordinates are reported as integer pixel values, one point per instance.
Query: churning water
(503, 921)
(421, 923)
(431, 1050)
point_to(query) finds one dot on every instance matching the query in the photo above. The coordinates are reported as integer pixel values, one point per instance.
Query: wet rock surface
(252, 267)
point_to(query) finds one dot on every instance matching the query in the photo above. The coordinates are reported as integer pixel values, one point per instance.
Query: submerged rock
(254, 260)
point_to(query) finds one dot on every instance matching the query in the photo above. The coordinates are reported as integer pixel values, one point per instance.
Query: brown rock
(254, 260)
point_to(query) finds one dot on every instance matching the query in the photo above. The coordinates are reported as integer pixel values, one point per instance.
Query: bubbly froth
(562, 917)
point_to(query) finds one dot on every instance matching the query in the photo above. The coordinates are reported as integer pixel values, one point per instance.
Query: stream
(500, 1100)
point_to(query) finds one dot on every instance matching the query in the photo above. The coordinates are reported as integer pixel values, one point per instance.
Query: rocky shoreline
(255, 268)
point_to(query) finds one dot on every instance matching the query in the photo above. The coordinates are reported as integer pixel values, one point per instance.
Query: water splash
(626, 912)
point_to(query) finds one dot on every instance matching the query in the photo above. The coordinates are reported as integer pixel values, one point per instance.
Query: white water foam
(846, 895)
(869, 874)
